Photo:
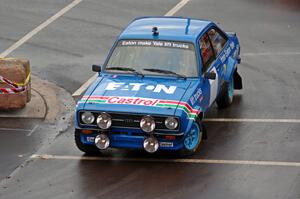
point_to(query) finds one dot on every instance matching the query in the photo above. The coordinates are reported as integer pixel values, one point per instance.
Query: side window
(218, 40)
(206, 51)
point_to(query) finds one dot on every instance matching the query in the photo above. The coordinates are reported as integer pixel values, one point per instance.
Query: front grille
(123, 120)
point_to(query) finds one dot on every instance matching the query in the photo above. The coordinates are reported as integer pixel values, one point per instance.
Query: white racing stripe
(84, 86)
(177, 7)
(39, 28)
(249, 120)
(195, 161)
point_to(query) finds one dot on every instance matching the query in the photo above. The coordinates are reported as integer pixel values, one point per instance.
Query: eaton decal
(137, 86)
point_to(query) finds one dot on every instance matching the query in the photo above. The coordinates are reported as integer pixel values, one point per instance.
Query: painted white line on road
(158, 160)
(14, 129)
(270, 54)
(39, 28)
(252, 120)
(32, 130)
(177, 7)
(84, 86)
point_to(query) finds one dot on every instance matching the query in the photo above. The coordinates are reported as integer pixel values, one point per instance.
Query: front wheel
(192, 140)
(225, 97)
(86, 148)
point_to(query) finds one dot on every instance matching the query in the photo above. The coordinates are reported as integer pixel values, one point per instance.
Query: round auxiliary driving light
(151, 144)
(171, 123)
(147, 124)
(104, 121)
(102, 141)
(87, 117)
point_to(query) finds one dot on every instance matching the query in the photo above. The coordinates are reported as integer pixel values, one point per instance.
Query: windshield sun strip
(117, 43)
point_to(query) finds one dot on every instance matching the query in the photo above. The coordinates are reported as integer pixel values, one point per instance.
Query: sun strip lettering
(192, 113)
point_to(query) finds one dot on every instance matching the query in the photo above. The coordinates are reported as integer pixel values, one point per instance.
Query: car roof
(169, 28)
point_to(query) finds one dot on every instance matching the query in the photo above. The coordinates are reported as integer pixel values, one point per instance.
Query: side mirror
(210, 75)
(96, 68)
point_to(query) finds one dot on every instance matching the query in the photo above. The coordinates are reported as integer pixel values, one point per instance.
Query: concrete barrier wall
(15, 84)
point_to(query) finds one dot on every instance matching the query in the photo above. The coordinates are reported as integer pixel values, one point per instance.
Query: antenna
(155, 31)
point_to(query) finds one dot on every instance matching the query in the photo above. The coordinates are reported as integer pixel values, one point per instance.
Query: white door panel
(213, 86)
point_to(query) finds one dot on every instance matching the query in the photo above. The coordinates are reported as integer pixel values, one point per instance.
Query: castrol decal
(139, 101)
(125, 100)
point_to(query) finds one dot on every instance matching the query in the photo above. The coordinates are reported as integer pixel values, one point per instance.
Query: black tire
(225, 97)
(187, 152)
(88, 149)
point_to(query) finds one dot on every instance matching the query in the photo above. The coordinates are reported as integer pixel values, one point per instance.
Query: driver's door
(209, 64)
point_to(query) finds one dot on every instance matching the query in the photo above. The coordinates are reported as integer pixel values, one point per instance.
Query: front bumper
(134, 141)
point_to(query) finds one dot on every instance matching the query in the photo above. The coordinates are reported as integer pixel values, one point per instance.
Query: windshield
(177, 57)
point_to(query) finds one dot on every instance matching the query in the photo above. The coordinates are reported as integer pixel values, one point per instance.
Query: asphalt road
(18, 141)
(63, 52)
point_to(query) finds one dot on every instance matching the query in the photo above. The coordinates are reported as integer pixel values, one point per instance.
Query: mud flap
(237, 80)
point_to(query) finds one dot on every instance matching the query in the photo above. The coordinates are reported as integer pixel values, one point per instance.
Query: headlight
(171, 123)
(87, 117)
(147, 124)
(104, 121)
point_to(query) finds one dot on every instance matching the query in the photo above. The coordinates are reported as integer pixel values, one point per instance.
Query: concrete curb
(59, 103)
(49, 102)
(35, 109)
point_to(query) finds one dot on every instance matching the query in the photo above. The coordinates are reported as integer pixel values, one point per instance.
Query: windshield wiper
(164, 72)
(125, 69)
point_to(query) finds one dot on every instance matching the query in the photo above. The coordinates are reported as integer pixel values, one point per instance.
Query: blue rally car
(160, 78)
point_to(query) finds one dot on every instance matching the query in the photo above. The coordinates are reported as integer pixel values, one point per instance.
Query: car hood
(135, 94)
